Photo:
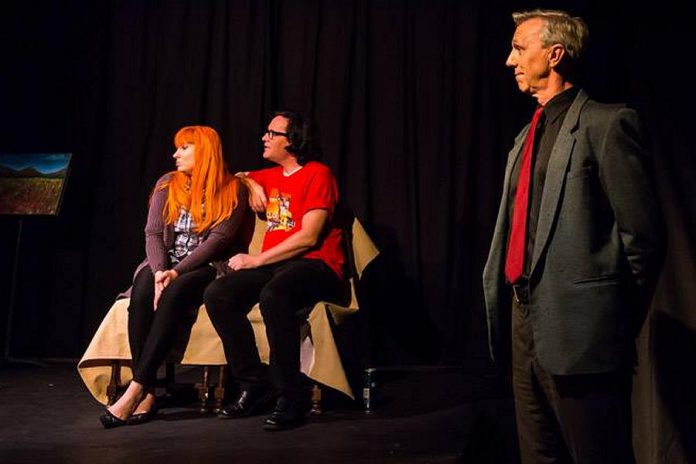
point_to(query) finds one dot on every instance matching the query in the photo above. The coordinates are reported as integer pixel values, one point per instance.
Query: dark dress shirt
(545, 138)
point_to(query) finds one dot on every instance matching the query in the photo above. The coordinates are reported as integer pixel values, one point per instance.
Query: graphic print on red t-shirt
(278, 214)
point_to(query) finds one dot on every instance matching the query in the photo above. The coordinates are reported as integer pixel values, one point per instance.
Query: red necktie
(514, 263)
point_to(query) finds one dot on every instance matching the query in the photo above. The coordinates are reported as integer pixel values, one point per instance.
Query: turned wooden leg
(220, 390)
(114, 382)
(316, 400)
(203, 392)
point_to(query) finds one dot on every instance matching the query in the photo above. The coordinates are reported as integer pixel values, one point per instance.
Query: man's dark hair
(302, 135)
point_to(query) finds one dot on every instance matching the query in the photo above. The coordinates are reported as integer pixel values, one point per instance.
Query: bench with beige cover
(105, 366)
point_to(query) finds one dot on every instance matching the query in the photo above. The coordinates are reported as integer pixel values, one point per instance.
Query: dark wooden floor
(426, 416)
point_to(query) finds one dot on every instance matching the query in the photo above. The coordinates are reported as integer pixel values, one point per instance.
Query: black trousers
(580, 419)
(281, 289)
(151, 333)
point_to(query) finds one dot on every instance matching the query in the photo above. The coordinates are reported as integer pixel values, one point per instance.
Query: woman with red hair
(198, 218)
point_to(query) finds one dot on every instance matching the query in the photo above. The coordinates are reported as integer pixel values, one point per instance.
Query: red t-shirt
(290, 198)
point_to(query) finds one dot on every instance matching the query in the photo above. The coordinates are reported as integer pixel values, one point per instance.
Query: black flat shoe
(286, 415)
(247, 403)
(143, 417)
(109, 421)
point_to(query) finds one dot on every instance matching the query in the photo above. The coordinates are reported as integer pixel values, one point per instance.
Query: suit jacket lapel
(493, 273)
(512, 159)
(555, 176)
(502, 226)
(497, 250)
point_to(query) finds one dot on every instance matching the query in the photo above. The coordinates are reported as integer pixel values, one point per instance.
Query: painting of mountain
(32, 183)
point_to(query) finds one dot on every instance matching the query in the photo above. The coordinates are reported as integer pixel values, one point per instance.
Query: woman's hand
(162, 279)
(243, 261)
(169, 277)
(159, 286)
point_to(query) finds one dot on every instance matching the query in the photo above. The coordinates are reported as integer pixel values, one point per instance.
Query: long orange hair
(210, 192)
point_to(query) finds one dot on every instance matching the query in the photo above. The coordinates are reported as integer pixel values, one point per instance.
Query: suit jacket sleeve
(627, 182)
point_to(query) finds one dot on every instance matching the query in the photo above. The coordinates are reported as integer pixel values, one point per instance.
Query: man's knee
(226, 294)
(277, 302)
(215, 296)
(271, 298)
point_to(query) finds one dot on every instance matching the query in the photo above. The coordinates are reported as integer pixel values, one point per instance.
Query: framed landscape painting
(33, 184)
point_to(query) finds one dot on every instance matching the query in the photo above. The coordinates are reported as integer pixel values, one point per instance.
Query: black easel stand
(7, 358)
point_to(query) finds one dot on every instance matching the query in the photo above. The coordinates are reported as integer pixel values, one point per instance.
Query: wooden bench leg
(203, 390)
(114, 382)
(316, 400)
(220, 390)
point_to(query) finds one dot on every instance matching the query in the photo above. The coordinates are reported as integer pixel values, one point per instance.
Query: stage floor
(426, 416)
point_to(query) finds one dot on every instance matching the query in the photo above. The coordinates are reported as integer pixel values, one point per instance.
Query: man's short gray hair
(559, 28)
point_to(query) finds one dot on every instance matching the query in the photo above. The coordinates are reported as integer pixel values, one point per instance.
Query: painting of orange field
(30, 195)
(32, 183)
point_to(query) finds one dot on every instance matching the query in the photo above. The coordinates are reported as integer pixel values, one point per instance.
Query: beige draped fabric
(319, 355)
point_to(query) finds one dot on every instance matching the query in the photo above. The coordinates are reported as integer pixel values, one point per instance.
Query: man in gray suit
(574, 256)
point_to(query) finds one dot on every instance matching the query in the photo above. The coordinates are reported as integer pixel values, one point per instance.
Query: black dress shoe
(109, 421)
(287, 414)
(143, 417)
(246, 404)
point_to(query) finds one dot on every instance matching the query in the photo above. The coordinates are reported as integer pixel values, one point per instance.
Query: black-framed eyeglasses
(271, 133)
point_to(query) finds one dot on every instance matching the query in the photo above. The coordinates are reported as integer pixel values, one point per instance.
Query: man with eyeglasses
(301, 262)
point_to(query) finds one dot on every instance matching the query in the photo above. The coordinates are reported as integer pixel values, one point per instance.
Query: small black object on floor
(430, 416)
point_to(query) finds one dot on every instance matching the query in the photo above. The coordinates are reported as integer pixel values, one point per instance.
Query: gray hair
(559, 28)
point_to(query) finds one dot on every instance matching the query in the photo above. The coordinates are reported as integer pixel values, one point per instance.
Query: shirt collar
(559, 104)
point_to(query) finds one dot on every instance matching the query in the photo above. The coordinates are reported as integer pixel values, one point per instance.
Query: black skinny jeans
(282, 289)
(151, 333)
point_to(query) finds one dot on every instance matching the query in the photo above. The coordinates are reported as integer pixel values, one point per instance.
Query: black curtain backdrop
(416, 112)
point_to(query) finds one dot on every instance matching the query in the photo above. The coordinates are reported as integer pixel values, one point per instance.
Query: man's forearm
(306, 238)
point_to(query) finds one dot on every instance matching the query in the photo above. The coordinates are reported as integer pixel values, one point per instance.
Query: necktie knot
(538, 114)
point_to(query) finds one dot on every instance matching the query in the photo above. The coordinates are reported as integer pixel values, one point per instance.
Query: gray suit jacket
(598, 244)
